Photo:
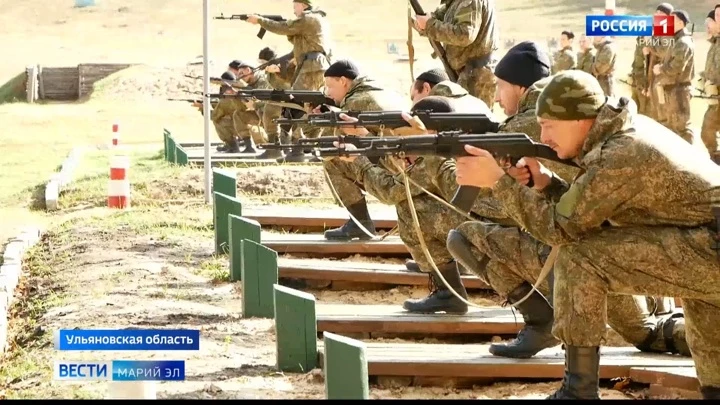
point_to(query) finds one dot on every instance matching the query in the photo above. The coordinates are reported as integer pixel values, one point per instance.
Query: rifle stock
(437, 46)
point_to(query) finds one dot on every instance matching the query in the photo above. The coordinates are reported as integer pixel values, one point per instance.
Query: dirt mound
(142, 82)
(278, 181)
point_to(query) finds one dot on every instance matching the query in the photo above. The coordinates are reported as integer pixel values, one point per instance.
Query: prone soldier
(565, 58)
(222, 117)
(425, 82)
(468, 30)
(586, 55)
(711, 78)
(248, 116)
(603, 67)
(278, 77)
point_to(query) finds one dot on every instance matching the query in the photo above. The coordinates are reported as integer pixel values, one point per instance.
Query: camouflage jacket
(564, 59)
(225, 108)
(363, 96)
(604, 64)
(615, 187)
(462, 100)
(678, 65)
(281, 80)
(712, 63)
(260, 82)
(585, 60)
(466, 28)
(638, 70)
(310, 36)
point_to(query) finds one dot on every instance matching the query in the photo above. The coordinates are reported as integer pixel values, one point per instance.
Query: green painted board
(259, 276)
(224, 182)
(345, 368)
(240, 229)
(295, 330)
(223, 206)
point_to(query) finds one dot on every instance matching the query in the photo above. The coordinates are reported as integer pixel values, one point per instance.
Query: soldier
(638, 77)
(309, 34)
(222, 117)
(655, 52)
(279, 75)
(353, 92)
(586, 56)
(711, 76)
(675, 75)
(601, 244)
(248, 116)
(565, 58)
(277, 78)
(468, 31)
(522, 74)
(425, 82)
(603, 67)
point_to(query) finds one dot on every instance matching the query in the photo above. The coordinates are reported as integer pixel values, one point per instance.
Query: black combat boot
(582, 374)
(411, 265)
(440, 298)
(710, 392)
(350, 230)
(272, 153)
(233, 146)
(249, 146)
(536, 335)
(296, 155)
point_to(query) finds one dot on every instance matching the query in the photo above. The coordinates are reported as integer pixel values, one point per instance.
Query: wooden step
(360, 272)
(317, 245)
(384, 217)
(458, 361)
(684, 378)
(393, 319)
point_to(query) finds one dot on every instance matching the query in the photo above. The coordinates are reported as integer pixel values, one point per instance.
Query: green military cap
(305, 2)
(446, 88)
(570, 95)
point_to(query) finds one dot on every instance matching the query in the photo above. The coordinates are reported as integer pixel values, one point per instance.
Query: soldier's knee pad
(461, 249)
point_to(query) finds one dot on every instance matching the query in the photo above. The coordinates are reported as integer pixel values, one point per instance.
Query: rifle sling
(302, 62)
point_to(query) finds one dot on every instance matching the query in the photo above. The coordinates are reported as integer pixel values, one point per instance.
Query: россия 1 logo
(629, 26)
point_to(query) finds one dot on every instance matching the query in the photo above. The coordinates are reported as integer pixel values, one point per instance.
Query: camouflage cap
(446, 88)
(305, 2)
(570, 95)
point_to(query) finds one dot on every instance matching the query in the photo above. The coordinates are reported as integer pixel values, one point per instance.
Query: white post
(206, 96)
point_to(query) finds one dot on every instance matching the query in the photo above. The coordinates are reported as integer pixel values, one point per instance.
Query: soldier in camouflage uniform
(675, 75)
(711, 77)
(468, 31)
(603, 67)
(638, 77)
(425, 82)
(655, 53)
(586, 56)
(353, 92)
(628, 316)
(565, 58)
(309, 34)
(222, 117)
(248, 116)
(278, 77)
(602, 244)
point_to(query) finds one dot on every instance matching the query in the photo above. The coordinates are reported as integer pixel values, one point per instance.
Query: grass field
(158, 253)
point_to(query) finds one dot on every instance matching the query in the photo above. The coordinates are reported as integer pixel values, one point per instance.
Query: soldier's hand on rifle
(252, 19)
(359, 131)
(478, 170)
(346, 146)
(272, 69)
(540, 174)
(417, 127)
(420, 22)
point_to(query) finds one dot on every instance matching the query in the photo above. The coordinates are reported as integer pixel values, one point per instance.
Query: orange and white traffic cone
(119, 187)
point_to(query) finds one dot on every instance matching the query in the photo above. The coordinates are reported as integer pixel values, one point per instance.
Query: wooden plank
(453, 360)
(361, 272)
(199, 153)
(393, 319)
(316, 244)
(681, 377)
(384, 217)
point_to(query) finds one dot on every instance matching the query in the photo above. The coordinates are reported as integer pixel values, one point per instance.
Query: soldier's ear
(426, 87)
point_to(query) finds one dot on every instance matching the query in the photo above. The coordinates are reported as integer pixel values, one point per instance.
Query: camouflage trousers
(225, 129)
(341, 176)
(308, 81)
(677, 110)
(641, 100)
(710, 128)
(658, 111)
(244, 121)
(436, 220)
(607, 83)
(271, 113)
(480, 83)
(581, 314)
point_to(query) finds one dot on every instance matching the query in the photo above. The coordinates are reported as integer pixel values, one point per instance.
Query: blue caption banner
(106, 339)
(619, 25)
(120, 370)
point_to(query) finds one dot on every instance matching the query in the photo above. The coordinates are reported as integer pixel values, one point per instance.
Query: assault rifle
(449, 144)
(244, 17)
(299, 97)
(437, 46)
(311, 119)
(441, 122)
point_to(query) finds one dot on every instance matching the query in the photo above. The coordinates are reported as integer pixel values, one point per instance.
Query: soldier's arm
(289, 27)
(439, 13)
(462, 31)
(603, 61)
(377, 181)
(564, 61)
(218, 112)
(587, 204)
(672, 68)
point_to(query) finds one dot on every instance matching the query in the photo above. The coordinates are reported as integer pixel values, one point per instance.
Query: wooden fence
(66, 83)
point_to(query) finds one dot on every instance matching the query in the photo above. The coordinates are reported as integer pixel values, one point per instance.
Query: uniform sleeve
(462, 31)
(387, 187)
(439, 13)
(603, 61)
(289, 27)
(564, 61)
(586, 205)
(674, 65)
(219, 111)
